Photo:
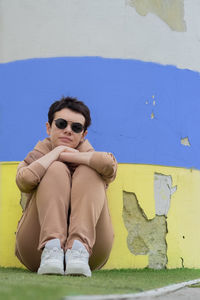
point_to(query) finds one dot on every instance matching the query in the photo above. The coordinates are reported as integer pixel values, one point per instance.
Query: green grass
(19, 284)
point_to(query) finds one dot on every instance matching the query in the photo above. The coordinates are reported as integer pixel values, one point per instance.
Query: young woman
(65, 227)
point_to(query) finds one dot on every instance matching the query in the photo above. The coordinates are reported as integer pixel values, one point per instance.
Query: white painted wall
(108, 28)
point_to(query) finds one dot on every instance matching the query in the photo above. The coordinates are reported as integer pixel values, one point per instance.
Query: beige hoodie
(30, 172)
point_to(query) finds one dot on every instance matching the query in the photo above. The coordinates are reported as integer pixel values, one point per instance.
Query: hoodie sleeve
(105, 164)
(29, 176)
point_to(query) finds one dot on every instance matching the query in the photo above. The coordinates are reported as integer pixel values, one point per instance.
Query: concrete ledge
(148, 294)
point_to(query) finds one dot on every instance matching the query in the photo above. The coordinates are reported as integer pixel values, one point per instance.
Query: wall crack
(182, 262)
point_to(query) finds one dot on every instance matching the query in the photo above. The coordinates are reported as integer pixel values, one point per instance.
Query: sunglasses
(62, 124)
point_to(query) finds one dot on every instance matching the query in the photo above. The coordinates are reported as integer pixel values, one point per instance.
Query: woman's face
(66, 136)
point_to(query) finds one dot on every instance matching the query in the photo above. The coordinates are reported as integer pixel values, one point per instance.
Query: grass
(19, 284)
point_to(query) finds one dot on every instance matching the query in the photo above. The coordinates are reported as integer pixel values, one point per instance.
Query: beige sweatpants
(68, 208)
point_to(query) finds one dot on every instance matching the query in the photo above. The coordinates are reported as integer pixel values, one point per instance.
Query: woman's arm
(102, 162)
(29, 176)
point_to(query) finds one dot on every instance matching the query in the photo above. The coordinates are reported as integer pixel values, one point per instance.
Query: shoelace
(78, 254)
(52, 253)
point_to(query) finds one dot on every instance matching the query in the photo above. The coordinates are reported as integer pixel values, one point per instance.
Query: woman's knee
(87, 174)
(57, 168)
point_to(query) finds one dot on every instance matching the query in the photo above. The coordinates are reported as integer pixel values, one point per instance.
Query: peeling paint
(162, 192)
(185, 141)
(170, 11)
(145, 237)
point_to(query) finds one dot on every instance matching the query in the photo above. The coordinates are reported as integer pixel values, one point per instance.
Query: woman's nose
(68, 128)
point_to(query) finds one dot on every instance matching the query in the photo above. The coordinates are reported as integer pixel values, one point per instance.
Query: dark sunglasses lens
(77, 127)
(61, 123)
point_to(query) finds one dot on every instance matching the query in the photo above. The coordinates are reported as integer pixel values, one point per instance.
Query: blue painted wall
(120, 95)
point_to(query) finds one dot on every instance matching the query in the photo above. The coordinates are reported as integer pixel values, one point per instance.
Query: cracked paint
(185, 141)
(170, 11)
(162, 193)
(145, 237)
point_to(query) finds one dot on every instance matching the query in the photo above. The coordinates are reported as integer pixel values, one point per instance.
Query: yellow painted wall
(183, 220)
(10, 212)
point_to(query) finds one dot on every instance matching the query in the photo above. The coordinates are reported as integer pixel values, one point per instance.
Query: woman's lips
(65, 139)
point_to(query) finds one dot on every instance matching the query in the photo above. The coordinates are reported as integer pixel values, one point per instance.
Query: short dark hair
(73, 104)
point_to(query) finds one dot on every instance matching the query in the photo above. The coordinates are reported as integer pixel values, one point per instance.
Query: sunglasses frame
(71, 125)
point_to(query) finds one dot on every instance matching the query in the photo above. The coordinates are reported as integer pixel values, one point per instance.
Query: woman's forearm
(77, 158)
(29, 175)
(102, 162)
(47, 159)
(53, 155)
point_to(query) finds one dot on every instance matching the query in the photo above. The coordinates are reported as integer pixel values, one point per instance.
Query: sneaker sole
(50, 270)
(77, 271)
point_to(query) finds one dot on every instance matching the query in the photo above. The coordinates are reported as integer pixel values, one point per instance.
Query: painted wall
(161, 31)
(136, 64)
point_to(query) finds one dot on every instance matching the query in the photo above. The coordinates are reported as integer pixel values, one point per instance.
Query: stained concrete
(170, 11)
(145, 237)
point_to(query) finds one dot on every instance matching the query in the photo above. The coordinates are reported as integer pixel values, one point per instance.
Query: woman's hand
(54, 155)
(59, 149)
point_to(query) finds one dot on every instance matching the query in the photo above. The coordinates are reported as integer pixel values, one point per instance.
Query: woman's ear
(48, 128)
(83, 135)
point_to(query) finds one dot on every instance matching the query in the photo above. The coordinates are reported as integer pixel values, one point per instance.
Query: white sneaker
(76, 260)
(52, 259)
